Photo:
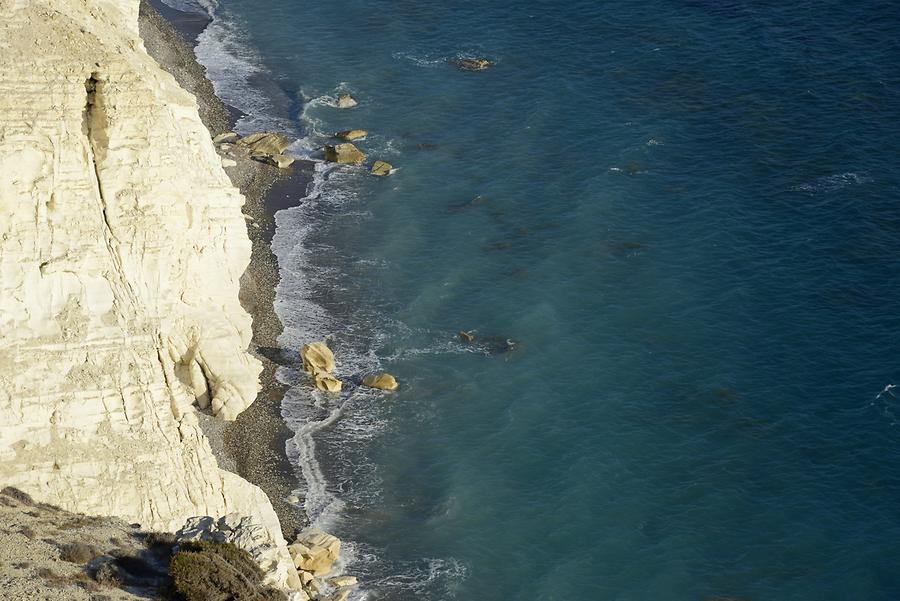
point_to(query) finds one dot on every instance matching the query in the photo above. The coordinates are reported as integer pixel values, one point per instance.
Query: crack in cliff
(87, 127)
(95, 127)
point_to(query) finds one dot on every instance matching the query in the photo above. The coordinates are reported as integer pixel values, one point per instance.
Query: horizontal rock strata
(121, 246)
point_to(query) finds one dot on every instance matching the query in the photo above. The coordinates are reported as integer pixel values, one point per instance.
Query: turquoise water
(684, 214)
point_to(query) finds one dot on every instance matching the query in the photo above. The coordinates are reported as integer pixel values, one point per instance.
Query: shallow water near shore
(686, 216)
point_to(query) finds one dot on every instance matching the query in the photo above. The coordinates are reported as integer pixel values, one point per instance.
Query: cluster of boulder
(346, 152)
(314, 554)
(318, 362)
(265, 146)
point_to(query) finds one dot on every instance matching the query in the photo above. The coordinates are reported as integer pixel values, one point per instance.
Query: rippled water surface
(686, 216)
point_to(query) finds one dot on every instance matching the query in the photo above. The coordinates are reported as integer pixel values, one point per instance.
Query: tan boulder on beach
(381, 381)
(265, 142)
(345, 153)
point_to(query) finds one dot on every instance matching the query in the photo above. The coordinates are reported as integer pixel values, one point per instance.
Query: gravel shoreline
(253, 446)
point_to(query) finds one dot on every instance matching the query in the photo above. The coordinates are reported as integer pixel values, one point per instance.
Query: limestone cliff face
(121, 246)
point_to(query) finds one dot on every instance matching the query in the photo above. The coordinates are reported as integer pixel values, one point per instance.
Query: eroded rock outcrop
(121, 246)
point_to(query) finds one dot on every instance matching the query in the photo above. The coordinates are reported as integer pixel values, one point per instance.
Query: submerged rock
(381, 381)
(467, 336)
(473, 64)
(381, 168)
(345, 153)
(265, 142)
(351, 134)
(497, 345)
(317, 357)
(346, 101)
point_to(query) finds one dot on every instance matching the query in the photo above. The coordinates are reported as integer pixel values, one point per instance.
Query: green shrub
(219, 572)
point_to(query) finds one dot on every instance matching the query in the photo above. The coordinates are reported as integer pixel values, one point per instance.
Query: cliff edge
(121, 248)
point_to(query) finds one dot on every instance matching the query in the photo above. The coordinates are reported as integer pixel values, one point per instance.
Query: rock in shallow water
(381, 381)
(473, 64)
(342, 581)
(317, 357)
(346, 101)
(381, 168)
(345, 153)
(327, 382)
(351, 134)
(318, 361)
(314, 552)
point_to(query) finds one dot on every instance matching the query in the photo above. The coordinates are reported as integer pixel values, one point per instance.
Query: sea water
(684, 216)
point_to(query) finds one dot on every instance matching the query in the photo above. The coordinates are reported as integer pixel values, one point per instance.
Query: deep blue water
(685, 213)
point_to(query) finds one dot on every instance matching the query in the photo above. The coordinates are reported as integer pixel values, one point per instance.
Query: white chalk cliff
(121, 246)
